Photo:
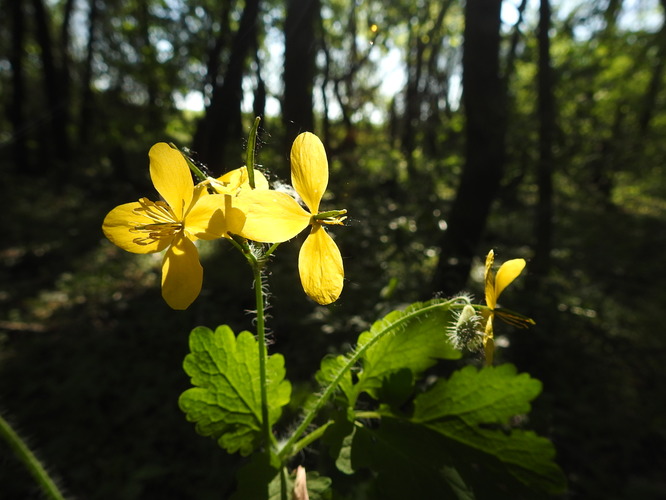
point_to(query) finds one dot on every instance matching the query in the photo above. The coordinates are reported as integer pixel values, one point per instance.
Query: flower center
(163, 225)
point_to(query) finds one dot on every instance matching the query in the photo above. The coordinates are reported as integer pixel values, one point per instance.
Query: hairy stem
(261, 337)
(28, 458)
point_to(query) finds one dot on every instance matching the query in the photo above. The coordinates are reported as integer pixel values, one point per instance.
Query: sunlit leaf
(225, 402)
(414, 338)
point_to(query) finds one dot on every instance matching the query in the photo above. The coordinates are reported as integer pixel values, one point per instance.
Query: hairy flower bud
(466, 332)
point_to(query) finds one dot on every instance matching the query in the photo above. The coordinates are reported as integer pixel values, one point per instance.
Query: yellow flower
(494, 286)
(186, 214)
(274, 216)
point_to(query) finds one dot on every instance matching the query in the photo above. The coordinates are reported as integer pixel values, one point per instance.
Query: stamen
(164, 226)
(159, 211)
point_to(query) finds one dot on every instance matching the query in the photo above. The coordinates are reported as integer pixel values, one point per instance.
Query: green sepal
(225, 402)
(474, 409)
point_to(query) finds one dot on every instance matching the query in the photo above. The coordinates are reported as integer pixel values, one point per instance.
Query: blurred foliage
(78, 315)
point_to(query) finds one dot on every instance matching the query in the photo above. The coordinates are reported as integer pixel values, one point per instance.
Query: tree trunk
(546, 110)
(484, 100)
(57, 140)
(87, 114)
(300, 50)
(412, 96)
(16, 111)
(222, 123)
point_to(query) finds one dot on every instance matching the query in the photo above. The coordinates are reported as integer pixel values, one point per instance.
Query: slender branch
(28, 458)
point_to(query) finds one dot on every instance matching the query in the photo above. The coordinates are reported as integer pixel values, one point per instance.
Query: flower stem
(261, 339)
(28, 458)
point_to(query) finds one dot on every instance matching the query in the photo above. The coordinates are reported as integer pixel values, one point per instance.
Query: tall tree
(52, 80)
(222, 123)
(484, 100)
(16, 105)
(86, 114)
(300, 49)
(546, 112)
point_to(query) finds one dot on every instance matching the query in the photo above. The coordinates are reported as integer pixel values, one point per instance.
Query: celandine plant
(375, 412)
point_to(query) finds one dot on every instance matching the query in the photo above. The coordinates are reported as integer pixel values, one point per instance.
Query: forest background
(451, 127)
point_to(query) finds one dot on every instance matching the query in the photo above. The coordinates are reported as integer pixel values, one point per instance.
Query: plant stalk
(28, 458)
(261, 338)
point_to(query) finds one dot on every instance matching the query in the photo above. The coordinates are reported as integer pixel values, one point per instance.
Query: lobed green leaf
(225, 402)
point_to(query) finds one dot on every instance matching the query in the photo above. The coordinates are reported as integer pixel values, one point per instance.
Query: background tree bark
(299, 67)
(16, 108)
(546, 111)
(484, 100)
(58, 107)
(86, 114)
(222, 123)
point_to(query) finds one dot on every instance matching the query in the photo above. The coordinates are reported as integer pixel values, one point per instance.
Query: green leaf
(413, 338)
(396, 388)
(226, 400)
(473, 409)
(409, 461)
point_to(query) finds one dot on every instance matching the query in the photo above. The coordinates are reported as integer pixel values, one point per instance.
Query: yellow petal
(171, 177)
(309, 169)
(182, 274)
(320, 267)
(489, 281)
(270, 216)
(210, 217)
(119, 227)
(507, 272)
(235, 180)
